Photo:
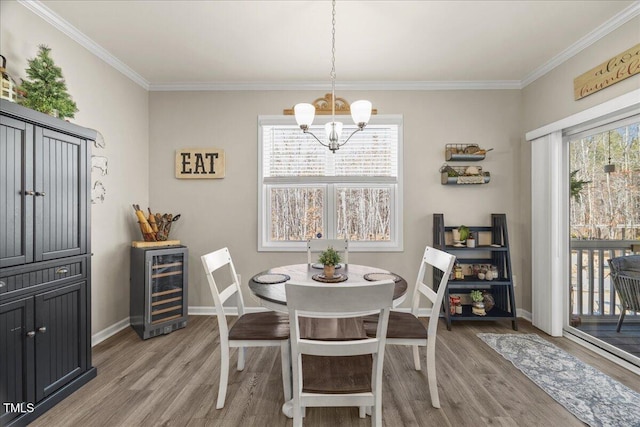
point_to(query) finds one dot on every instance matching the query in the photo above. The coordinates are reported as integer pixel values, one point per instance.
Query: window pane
(364, 213)
(296, 213)
(606, 206)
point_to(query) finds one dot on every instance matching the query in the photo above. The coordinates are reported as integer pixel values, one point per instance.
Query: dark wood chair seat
(342, 329)
(401, 325)
(261, 326)
(336, 374)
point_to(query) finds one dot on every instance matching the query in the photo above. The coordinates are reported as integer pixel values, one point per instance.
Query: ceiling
(166, 45)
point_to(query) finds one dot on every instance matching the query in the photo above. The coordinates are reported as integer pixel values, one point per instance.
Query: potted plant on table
(329, 258)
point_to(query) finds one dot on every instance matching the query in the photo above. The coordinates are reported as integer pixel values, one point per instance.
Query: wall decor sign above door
(610, 72)
(200, 163)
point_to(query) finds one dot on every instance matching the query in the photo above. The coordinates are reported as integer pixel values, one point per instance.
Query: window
(307, 191)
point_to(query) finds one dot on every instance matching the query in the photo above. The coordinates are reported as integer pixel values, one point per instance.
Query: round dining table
(269, 286)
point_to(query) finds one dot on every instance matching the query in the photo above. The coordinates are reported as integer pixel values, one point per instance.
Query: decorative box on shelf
(463, 175)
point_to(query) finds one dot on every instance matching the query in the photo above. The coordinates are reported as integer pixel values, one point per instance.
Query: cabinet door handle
(40, 193)
(29, 193)
(42, 329)
(62, 270)
(31, 334)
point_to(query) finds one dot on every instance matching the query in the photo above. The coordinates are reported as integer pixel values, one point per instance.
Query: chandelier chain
(360, 110)
(333, 62)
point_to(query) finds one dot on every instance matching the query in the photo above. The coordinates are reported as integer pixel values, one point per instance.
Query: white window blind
(288, 152)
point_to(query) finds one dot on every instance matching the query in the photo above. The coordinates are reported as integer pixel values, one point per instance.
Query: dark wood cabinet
(45, 262)
(43, 200)
(17, 355)
(60, 341)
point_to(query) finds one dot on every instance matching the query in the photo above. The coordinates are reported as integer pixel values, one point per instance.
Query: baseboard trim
(109, 331)
(524, 314)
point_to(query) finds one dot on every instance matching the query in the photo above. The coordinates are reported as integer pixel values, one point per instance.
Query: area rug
(587, 393)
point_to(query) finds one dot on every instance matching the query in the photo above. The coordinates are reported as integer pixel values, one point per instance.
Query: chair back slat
(428, 292)
(319, 245)
(341, 300)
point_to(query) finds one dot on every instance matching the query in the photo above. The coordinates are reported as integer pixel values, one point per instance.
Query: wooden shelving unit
(496, 253)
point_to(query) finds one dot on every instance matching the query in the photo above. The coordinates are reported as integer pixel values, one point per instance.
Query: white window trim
(394, 245)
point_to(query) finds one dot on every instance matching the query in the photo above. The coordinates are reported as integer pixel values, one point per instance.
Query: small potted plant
(329, 259)
(463, 230)
(478, 302)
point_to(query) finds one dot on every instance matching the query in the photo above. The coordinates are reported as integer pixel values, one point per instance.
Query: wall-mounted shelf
(462, 175)
(463, 153)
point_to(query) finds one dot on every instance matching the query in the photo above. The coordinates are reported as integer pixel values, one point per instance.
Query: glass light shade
(361, 111)
(328, 128)
(304, 114)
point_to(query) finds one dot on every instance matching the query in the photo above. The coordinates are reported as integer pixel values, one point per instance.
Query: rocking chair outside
(625, 272)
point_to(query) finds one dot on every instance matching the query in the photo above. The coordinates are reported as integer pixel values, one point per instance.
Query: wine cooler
(158, 303)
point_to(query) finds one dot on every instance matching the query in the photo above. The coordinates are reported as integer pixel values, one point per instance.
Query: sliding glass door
(604, 222)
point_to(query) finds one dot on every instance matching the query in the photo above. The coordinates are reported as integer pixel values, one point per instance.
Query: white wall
(217, 213)
(118, 108)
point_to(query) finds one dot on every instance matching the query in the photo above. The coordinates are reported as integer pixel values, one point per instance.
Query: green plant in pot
(477, 298)
(464, 232)
(329, 258)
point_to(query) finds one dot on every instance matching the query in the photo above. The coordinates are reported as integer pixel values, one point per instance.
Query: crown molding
(372, 85)
(73, 33)
(612, 24)
(61, 24)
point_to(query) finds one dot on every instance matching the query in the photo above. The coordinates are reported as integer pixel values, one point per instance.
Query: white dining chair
(407, 329)
(315, 246)
(263, 329)
(338, 372)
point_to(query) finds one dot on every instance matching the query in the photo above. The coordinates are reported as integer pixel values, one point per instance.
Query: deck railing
(592, 291)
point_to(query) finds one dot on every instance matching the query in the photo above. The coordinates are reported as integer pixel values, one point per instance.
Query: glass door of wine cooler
(159, 284)
(167, 296)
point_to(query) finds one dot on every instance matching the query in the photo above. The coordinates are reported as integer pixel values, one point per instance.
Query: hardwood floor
(172, 380)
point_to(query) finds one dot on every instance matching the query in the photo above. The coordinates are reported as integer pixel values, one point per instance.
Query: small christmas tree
(46, 90)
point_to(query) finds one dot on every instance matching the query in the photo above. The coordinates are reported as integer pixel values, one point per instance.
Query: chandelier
(360, 110)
